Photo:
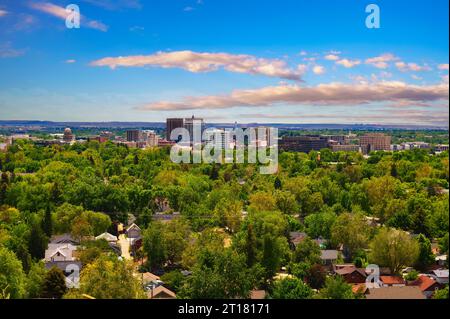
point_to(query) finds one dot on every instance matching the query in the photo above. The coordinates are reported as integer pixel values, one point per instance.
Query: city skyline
(264, 62)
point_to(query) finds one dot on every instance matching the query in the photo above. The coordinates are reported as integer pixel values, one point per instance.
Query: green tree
(35, 280)
(54, 285)
(219, 275)
(394, 249)
(47, 222)
(426, 256)
(37, 243)
(277, 183)
(351, 230)
(154, 247)
(12, 277)
(441, 293)
(307, 251)
(290, 288)
(108, 278)
(336, 288)
(320, 224)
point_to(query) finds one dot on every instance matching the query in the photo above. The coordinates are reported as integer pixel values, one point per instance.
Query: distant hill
(162, 125)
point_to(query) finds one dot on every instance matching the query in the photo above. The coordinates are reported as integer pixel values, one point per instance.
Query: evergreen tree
(277, 184)
(37, 242)
(55, 284)
(426, 256)
(24, 256)
(47, 223)
(250, 246)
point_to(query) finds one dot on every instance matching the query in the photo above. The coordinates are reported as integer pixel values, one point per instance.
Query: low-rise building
(404, 292)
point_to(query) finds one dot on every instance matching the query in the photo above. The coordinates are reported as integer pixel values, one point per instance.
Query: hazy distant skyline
(285, 61)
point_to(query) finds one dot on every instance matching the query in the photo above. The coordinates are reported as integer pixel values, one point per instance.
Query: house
(60, 252)
(161, 292)
(133, 231)
(166, 217)
(406, 292)
(392, 281)
(64, 239)
(257, 294)
(329, 257)
(108, 237)
(62, 256)
(148, 277)
(296, 238)
(427, 285)
(360, 289)
(351, 274)
(441, 260)
(441, 276)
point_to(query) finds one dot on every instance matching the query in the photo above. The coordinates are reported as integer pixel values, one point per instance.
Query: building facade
(376, 142)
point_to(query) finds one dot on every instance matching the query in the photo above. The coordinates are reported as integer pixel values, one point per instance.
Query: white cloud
(322, 94)
(3, 13)
(61, 13)
(443, 67)
(71, 61)
(205, 62)
(7, 51)
(318, 69)
(405, 67)
(381, 62)
(301, 68)
(348, 63)
(331, 57)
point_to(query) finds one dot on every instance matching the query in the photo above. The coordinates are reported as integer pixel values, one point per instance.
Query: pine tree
(24, 256)
(55, 284)
(47, 223)
(277, 184)
(37, 242)
(250, 246)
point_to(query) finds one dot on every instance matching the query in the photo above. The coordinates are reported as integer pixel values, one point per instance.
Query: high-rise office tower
(171, 124)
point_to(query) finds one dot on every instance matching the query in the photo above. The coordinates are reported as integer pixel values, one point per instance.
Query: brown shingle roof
(424, 283)
(406, 292)
(392, 280)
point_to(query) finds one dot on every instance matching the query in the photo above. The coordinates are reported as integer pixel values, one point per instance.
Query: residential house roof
(297, 237)
(329, 254)
(64, 239)
(405, 292)
(133, 226)
(349, 270)
(107, 237)
(425, 283)
(161, 292)
(392, 280)
(257, 294)
(65, 250)
(359, 288)
(149, 277)
(441, 273)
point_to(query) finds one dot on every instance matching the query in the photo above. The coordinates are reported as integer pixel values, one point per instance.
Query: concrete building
(133, 135)
(303, 143)
(375, 142)
(150, 138)
(171, 124)
(346, 148)
(192, 125)
(68, 136)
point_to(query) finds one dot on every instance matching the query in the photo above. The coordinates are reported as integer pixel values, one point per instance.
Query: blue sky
(285, 61)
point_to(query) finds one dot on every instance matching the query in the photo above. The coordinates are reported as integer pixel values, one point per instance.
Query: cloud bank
(205, 62)
(322, 94)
